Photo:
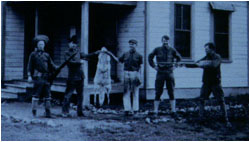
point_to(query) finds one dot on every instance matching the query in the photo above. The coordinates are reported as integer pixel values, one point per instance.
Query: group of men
(41, 65)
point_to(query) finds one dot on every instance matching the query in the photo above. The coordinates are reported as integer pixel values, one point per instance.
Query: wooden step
(18, 88)
(9, 94)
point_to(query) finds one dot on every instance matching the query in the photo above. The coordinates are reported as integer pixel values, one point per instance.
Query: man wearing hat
(39, 68)
(212, 80)
(132, 63)
(75, 76)
(165, 57)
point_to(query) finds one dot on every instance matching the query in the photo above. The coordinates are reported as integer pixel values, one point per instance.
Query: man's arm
(210, 63)
(177, 55)
(151, 59)
(88, 56)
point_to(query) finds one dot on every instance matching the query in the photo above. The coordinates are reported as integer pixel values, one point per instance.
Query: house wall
(14, 43)
(131, 26)
(234, 74)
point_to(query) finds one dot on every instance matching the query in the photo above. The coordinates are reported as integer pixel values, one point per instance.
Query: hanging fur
(102, 80)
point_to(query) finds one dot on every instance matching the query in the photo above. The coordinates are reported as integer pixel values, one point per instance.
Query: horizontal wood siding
(14, 43)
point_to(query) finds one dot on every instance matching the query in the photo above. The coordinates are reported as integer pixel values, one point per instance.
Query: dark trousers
(161, 78)
(41, 89)
(71, 86)
(208, 88)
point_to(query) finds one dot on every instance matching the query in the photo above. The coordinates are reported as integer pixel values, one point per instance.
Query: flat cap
(165, 37)
(132, 41)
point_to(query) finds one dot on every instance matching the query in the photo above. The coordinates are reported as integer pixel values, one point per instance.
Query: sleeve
(31, 65)
(213, 63)
(151, 57)
(121, 59)
(177, 55)
(86, 56)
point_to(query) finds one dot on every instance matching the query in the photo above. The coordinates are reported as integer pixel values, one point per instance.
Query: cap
(165, 37)
(132, 41)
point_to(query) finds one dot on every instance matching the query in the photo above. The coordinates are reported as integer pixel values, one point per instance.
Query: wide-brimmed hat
(41, 38)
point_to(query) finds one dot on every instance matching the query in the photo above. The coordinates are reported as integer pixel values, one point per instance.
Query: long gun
(180, 64)
(57, 71)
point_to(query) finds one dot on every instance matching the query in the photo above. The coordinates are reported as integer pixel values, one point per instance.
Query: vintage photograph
(124, 70)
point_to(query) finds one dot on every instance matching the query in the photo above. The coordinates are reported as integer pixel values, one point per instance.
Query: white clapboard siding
(14, 44)
(131, 26)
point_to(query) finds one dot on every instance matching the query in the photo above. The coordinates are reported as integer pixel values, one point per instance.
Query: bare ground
(17, 124)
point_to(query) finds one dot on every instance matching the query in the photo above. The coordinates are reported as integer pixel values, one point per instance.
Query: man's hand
(29, 79)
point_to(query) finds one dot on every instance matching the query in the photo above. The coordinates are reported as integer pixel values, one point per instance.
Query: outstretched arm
(112, 55)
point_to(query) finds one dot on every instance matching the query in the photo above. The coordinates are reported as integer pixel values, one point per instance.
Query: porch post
(36, 21)
(84, 47)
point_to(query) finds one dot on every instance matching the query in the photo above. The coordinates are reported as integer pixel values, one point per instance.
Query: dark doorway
(102, 32)
(29, 30)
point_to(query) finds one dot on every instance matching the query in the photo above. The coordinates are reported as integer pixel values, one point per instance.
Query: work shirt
(211, 66)
(165, 57)
(75, 71)
(132, 60)
(40, 63)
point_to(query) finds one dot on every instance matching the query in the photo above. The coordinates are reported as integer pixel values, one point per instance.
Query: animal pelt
(102, 80)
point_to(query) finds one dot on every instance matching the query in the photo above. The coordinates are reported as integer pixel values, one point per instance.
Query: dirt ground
(17, 123)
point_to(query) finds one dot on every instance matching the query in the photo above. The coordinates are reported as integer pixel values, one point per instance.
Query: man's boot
(34, 105)
(201, 111)
(47, 108)
(156, 108)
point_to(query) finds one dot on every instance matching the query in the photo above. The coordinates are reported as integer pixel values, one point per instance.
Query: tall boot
(156, 107)
(34, 105)
(47, 108)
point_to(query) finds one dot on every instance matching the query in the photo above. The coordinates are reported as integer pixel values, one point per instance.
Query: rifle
(179, 64)
(57, 71)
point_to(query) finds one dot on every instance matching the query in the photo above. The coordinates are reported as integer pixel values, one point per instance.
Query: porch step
(9, 94)
(18, 88)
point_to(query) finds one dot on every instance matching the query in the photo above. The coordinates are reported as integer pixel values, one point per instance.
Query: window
(182, 30)
(221, 33)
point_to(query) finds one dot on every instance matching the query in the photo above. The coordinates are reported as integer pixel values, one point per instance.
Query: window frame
(213, 32)
(173, 24)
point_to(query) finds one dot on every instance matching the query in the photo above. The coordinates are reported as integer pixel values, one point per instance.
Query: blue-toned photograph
(125, 70)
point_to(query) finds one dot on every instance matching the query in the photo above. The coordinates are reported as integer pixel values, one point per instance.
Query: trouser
(161, 78)
(131, 85)
(218, 93)
(41, 90)
(71, 86)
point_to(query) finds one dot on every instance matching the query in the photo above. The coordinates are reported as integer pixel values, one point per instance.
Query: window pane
(221, 22)
(186, 17)
(221, 42)
(182, 43)
(178, 16)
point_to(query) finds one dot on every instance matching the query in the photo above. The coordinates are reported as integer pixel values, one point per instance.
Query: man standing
(39, 68)
(211, 79)
(75, 76)
(165, 56)
(132, 63)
